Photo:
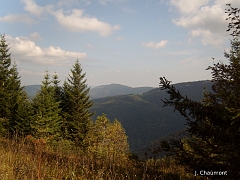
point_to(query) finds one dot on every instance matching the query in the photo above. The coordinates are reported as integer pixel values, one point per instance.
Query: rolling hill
(32, 90)
(99, 91)
(116, 89)
(143, 115)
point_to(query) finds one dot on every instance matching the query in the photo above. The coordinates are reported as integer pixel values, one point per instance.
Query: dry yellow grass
(22, 160)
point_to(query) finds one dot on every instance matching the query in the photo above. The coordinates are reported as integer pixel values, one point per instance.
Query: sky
(127, 42)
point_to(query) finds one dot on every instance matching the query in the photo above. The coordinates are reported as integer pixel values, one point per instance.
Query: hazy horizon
(128, 85)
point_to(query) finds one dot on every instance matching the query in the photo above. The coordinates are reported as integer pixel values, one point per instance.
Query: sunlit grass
(24, 160)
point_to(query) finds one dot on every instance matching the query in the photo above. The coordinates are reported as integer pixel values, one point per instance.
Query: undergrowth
(28, 159)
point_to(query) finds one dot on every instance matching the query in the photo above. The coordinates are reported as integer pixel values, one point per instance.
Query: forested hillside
(144, 117)
(115, 89)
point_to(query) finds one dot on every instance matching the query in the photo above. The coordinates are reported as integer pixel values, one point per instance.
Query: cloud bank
(26, 50)
(77, 22)
(32, 7)
(208, 22)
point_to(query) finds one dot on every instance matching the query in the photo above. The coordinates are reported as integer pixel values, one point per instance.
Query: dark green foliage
(19, 115)
(76, 104)
(213, 123)
(12, 97)
(46, 120)
(5, 63)
(57, 88)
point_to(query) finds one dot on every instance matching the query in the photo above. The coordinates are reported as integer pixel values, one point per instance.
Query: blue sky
(129, 42)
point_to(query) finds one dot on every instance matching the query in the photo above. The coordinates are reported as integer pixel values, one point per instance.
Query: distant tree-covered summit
(100, 91)
(116, 89)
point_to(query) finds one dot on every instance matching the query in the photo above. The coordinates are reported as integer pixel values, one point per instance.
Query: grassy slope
(23, 161)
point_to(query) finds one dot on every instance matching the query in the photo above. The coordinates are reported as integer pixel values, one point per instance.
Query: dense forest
(55, 135)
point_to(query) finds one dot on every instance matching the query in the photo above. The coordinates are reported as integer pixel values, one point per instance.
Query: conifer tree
(5, 63)
(76, 104)
(57, 88)
(19, 105)
(12, 96)
(213, 124)
(46, 120)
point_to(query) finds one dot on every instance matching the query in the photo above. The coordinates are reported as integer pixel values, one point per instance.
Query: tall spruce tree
(76, 105)
(213, 124)
(19, 107)
(5, 63)
(46, 121)
(12, 96)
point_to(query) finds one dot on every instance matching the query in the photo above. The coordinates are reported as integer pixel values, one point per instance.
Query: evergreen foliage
(57, 88)
(213, 124)
(46, 120)
(5, 63)
(76, 104)
(12, 96)
(19, 105)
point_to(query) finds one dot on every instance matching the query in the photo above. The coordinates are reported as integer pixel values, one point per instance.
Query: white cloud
(203, 20)
(154, 44)
(211, 17)
(26, 50)
(207, 37)
(33, 8)
(188, 6)
(77, 22)
(12, 18)
(223, 3)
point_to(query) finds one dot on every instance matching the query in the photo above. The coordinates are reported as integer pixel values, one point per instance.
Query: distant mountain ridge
(99, 91)
(32, 90)
(116, 89)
